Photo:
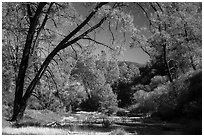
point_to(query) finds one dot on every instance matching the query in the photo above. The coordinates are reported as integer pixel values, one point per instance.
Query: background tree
(122, 87)
(175, 31)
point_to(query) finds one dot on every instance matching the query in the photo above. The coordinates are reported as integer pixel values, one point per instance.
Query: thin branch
(76, 30)
(83, 34)
(41, 27)
(79, 45)
(150, 23)
(52, 77)
(153, 7)
(55, 61)
(63, 44)
(34, 94)
(75, 52)
(124, 37)
(99, 43)
(59, 57)
(51, 31)
(109, 27)
(116, 27)
(145, 51)
(54, 23)
(159, 6)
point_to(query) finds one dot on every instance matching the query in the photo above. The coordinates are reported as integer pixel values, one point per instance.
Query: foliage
(183, 98)
(119, 131)
(121, 112)
(102, 100)
(109, 67)
(48, 46)
(128, 72)
(108, 99)
(122, 87)
(176, 36)
(45, 100)
(146, 101)
(158, 80)
(72, 97)
(42, 27)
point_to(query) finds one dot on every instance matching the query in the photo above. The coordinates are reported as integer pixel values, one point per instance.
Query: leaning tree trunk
(24, 63)
(21, 102)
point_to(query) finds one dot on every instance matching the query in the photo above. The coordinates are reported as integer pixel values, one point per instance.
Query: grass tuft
(33, 131)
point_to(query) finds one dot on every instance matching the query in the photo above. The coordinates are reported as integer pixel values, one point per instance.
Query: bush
(119, 131)
(103, 100)
(6, 111)
(190, 97)
(158, 80)
(134, 108)
(106, 122)
(145, 101)
(149, 101)
(184, 97)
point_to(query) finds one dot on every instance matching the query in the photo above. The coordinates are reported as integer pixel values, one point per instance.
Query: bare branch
(99, 43)
(109, 27)
(63, 44)
(35, 95)
(124, 37)
(52, 76)
(54, 23)
(59, 57)
(145, 51)
(79, 45)
(42, 26)
(159, 6)
(153, 7)
(83, 34)
(150, 23)
(75, 52)
(76, 30)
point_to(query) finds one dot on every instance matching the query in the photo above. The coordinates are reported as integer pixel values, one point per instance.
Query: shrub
(149, 101)
(158, 80)
(134, 109)
(108, 99)
(122, 112)
(184, 97)
(103, 100)
(119, 131)
(106, 122)
(6, 111)
(190, 92)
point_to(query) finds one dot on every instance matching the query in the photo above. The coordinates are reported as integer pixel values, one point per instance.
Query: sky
(133, 54)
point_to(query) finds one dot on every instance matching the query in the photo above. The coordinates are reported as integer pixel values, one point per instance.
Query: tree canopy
(53, 53)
